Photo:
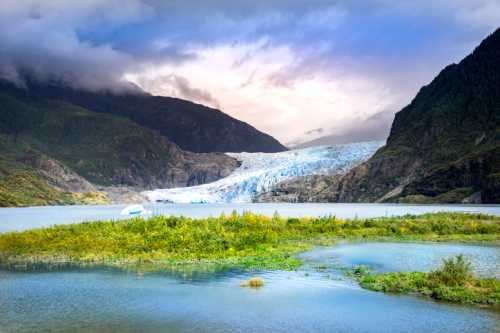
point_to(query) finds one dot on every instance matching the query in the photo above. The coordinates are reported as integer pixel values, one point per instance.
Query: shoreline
(243, 241)
(20, 219)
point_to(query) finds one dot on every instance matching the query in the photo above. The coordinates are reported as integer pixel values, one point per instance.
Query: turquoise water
(308, 300)
(34, 217)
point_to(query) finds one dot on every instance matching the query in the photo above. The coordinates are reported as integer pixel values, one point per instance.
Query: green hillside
(101, 148)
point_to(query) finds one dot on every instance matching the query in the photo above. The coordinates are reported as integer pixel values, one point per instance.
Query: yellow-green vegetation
(254, 282)
(25, 188)
(243, 241)
(91, 198)
(453, 282)
(36, 192)
(23, 185)
(19, 188)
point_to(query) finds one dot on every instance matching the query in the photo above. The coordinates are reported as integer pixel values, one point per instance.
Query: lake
(33, 217)
(306, 300)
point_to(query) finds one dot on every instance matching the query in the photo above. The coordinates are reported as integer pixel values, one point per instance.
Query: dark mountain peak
(489, 44)
(443, 147)
(462, 95)
(447, 138)
(194, 127)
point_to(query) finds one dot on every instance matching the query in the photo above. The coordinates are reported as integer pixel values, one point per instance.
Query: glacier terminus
(259, 172)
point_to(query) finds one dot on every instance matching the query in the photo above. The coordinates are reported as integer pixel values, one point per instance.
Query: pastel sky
(286, 67)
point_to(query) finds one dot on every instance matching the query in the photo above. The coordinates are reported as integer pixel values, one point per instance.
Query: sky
(293, 69)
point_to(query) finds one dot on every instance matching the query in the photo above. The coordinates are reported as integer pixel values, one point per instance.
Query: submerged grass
(453, 282)
(254, 282)
(239, 241)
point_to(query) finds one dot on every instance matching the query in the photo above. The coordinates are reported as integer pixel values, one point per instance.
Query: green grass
(453, 282)
(242, 241)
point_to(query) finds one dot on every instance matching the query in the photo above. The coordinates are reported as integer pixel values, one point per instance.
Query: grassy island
(241, 241)
(453, 282)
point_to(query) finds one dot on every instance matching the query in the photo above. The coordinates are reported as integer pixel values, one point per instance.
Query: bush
(455, 272)
(453, 282)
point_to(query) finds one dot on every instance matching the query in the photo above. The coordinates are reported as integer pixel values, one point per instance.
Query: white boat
(135, 210)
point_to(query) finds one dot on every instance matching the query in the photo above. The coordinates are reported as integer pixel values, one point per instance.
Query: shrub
(454, 272)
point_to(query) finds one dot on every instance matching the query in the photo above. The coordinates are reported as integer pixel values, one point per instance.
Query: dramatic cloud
(42, 36)
(287, 67)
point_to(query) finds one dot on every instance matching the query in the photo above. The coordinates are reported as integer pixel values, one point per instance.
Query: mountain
(193, 127)
(55, 152)
(259, 172)
(443, 147)
(306, 137)
(374, 128)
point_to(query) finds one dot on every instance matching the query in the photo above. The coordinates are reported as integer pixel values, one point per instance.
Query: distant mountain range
(59, 145)
(443, 147)
(376, 128)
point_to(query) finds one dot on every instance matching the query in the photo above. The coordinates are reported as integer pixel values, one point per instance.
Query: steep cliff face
(443, 147)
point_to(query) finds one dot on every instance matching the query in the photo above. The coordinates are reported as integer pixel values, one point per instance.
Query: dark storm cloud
(42, 37)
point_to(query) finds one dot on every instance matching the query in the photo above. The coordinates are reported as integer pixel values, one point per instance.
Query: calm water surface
(33, 217)
(405, 257)
(308, 300)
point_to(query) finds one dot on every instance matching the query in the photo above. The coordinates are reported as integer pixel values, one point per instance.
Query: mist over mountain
(376, 127)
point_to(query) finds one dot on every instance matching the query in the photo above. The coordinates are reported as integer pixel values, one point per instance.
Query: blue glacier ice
(259, 172)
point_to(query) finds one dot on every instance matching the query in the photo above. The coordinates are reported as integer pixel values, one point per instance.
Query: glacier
(259, 172)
